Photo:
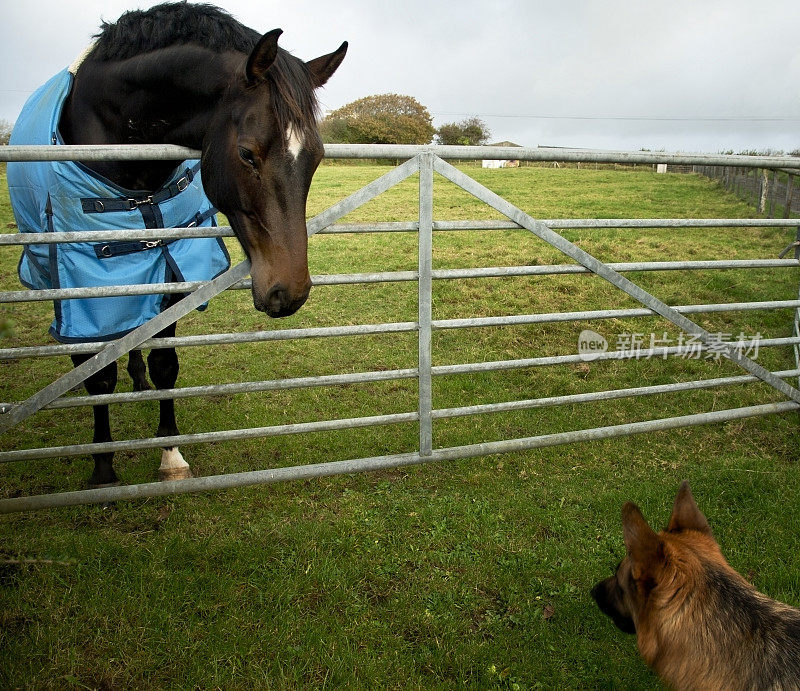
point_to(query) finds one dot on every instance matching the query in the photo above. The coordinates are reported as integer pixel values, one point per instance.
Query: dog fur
(698, 623)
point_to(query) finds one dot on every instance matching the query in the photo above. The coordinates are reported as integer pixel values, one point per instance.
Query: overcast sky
(680, 75)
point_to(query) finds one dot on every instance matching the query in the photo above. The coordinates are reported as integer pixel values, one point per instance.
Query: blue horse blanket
(60, 196)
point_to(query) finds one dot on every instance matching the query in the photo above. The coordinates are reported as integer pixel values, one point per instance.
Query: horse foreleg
(163, 366)
(101, 382)
(137, 371)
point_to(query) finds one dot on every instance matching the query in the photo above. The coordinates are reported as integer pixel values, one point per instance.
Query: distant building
(501, 163)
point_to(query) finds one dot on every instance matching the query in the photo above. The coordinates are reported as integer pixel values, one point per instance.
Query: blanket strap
(93, 205)
(106, 250)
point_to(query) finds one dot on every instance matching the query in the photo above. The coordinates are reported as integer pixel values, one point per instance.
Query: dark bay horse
(192, 75)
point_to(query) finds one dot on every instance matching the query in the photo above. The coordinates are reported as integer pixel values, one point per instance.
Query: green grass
(432, 576)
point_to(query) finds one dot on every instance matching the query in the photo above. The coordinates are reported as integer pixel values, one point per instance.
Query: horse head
(260, 152)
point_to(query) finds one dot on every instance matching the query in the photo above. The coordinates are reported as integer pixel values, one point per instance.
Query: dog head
(625, 596)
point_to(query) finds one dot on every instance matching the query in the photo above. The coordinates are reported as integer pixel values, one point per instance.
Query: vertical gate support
(425, 302)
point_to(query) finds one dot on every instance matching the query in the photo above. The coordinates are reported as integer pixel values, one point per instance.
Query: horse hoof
(171, 474)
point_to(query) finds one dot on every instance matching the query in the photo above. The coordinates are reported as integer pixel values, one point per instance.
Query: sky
(673, 75)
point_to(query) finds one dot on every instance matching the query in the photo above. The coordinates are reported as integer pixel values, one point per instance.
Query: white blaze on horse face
(294, 142)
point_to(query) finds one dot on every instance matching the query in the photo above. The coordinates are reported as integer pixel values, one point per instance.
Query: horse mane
(181, 23)
(170, 24)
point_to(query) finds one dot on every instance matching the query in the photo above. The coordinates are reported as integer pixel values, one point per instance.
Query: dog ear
(641, 541)
(685, 514)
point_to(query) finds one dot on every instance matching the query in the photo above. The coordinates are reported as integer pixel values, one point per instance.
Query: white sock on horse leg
(173, 466)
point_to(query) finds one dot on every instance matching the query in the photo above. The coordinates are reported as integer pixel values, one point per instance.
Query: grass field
(472, 573)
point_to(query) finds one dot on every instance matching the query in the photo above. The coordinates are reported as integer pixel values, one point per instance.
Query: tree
(380, 119)
(5, 131)
(469, 132)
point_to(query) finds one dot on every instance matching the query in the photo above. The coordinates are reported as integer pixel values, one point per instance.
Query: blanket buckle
(136, 203)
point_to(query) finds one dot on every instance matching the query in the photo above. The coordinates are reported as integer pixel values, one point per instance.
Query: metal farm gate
(425, 161)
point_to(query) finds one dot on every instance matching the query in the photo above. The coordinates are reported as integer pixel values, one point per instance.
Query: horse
(192, 75)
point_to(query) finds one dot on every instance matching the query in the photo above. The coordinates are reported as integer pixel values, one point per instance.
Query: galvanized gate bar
(207, 437)
(304, 472)
(608, 395)
(215, 339)
(601, 269)
(425, 302)
(45, 295)
(175, 233)
(172, 152)
(796, 326)
(569, 223)
(622, 223)
(115, 349)
(622, 267)
(396, 226)
(107, 235)
(97, 152)
(547, 360)
(551, 317)
(473, 153)
(230, 389)
(797, 311)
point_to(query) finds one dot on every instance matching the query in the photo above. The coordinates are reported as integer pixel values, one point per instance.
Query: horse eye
(247, 156)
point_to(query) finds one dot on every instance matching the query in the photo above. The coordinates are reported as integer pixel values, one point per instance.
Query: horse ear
(263, 55)
(685, 513)
(323, 67)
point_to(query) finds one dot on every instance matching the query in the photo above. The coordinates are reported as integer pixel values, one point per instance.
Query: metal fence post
(425, 302)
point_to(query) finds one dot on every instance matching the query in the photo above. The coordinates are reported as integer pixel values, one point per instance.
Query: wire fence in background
(774, 193)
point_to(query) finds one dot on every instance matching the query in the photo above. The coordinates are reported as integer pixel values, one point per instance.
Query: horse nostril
(277, 301)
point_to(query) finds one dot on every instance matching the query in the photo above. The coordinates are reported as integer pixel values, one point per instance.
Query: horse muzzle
(279, 301)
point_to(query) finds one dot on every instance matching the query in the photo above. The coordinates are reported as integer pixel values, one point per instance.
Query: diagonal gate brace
(116, 349)
(603, 270)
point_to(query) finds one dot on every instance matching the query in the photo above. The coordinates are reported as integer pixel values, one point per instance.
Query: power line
(628, 118)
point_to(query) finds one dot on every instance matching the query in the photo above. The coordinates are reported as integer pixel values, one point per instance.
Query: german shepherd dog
(698, 623)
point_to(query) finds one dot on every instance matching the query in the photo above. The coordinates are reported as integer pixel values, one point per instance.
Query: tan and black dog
(698, 623)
